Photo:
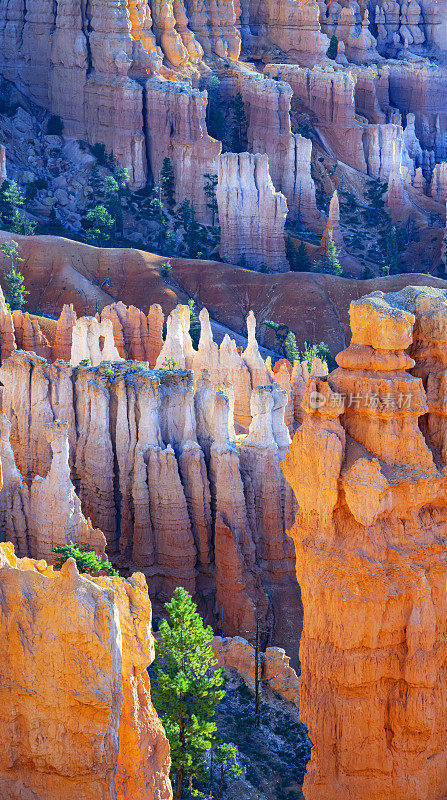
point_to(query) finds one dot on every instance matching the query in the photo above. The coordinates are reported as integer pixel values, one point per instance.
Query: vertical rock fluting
(48, 514)
(28, 334)
(159, 471)
(252, 214)
(267, 107)
(136, 336)
(86, 727)
(93, 342)
(64, 333)
(7, 336)
(370, 537)
(176, 128)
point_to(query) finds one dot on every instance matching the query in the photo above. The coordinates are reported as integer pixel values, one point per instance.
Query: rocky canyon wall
(252, 214)
(133, 69)
(86, 725)
(370, 539)
(159, 469)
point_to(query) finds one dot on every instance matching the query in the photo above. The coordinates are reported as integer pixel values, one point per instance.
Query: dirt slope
(315, 306)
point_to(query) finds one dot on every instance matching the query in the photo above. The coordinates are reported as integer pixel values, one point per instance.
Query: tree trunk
(179, 784)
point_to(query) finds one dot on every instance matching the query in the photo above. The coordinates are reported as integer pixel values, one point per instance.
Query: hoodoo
(370, 538)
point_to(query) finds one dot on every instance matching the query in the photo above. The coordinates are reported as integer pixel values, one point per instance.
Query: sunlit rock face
(157, 464)
(245, 192)
(367, 467)
(76, 711)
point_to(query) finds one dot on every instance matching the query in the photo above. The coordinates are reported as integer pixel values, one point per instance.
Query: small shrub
(55, 126)
(86, 362)
(99, 151)
(87, 560)
(168, 363)
(166, 269)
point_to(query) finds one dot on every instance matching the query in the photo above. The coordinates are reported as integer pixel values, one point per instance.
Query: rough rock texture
(352, 113)
(251, 213)
(93, 341)
(7, 337)
(86, 727)
(177, 129)
(370, 539)
(295, 29)
(28, 334)
(267, 108)
(275, 670)
(121, 332)
(3, 173)
(137, 337)
(230, 292)
(48, 514)
(64, 334)
(238, 374)
(159, 475)
(215, 27)
(333, 225)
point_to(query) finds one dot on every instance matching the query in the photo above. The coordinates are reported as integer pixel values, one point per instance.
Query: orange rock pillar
(370, 537)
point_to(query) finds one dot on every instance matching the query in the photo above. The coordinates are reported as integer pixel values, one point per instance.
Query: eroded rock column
(370, 537)
(252, 214)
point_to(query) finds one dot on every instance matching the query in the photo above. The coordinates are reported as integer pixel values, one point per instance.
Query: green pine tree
(298, 258)
(215, 120)
(333, 48)
(186, 692)
(167, 183)
(239, 143)
(99, 225)
(113, 189)
(209, 188)
(16, 292)
(320, 351)
(332, 261)
(11, 202)
(11, 199)
(10, 249)
(192, 230)
(291, 348)
(194, 324)
(87, 561)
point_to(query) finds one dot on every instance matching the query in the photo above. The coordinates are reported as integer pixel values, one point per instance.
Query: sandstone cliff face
(177, 129)
(370, 539)
(160, 472)
(136, 337)
(86, 727)
(252, 214)
(48, 513)
(126, 75)
(267, 107)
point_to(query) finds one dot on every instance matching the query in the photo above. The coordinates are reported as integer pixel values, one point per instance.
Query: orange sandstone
(75, 711)
(370, 537)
